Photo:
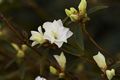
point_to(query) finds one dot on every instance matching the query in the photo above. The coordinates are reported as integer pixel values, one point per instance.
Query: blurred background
(27, 15)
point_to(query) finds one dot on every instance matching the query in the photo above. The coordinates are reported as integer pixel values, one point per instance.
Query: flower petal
(61, 60)
(110, 73)
(82, 7)
(39, 78)
(100, 60)
(40, 29)
(16, 47)
(59, 44)
(34, 43)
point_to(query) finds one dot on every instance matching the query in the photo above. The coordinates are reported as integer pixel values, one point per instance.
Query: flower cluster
(55, 33)
(76, 15)
(100, 60)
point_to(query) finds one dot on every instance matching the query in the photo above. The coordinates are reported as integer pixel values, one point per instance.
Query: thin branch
(10, 26)
(93, 41)
(20, 36)
(39, 11)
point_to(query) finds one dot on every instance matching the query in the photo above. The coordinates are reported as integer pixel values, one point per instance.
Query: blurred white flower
(100, 60)
(40, 78)
(110, 73)
(56, 33)
(61, 60)
(37, 37)
(1, 1)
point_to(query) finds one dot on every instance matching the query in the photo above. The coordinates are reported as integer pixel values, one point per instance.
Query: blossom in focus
(56, 33)
(100, 60)
(110, 73)
(20, 50)
(61, 59)
(37, 37)
(40, 78)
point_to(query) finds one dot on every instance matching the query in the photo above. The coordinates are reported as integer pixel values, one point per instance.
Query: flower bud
(110, 73)
(61, 60)
(53, 70)
(20, 50)
(82, 7)
(37, 37)
(100, 60)
(73, 10)
(24, 47)
(68, 12)
(74, 18)
(20, 54)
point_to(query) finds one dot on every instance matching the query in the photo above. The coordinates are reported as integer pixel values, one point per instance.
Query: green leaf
(75, 45)
(96, 8)
(72, 50)
(77, 38)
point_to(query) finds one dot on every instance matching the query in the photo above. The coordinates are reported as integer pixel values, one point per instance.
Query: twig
(93, 41)
(39, 11)
(20, 36)
(10, 26)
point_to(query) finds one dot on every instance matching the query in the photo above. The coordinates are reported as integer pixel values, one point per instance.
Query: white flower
(37, 37)
(61, 60)
(110, 73)
(39, 78)
(100, 60)
(56, 33)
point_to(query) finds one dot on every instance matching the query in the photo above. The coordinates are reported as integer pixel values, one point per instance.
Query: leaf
(95, 9)
(75, 45)
(79, 37)
(72, 50)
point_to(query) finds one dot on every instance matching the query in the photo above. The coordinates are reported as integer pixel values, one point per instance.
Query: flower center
(55, 35)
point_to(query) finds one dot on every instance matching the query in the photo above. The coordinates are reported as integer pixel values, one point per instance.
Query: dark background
(27, 15)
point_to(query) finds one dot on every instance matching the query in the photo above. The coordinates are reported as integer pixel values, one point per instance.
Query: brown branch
(94, 42)
(23, 39)
(20, 36)
(10, 26)
(39, 11)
